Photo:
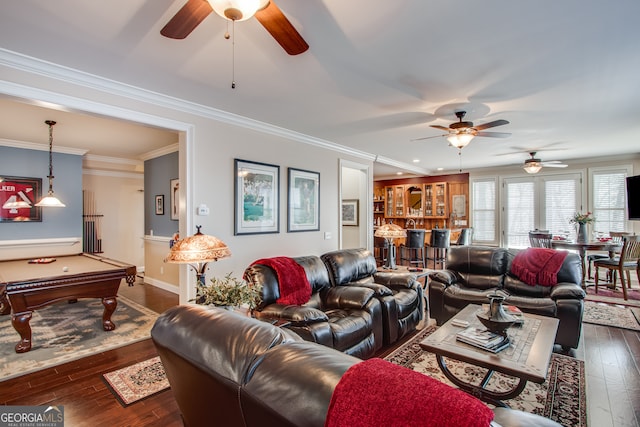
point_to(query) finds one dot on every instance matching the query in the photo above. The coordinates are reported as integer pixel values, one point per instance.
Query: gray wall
(67, 186)
(158, 173)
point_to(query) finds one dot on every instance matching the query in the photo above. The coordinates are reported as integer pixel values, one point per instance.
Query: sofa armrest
(446, 277)
(378, 289)
(348, 297)
(296, 314)
(403, 280)
(567, 291)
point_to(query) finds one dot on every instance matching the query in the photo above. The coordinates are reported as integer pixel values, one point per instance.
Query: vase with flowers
(581, 220)
(229, 292)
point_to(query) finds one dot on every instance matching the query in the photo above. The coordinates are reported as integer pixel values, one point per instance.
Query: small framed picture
(175, 199)
(160, 204)
(350, 212)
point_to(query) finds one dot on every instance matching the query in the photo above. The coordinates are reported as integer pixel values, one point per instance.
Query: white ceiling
(376, 75)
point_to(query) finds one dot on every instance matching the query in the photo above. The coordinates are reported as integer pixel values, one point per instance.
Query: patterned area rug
(618, 316)
(64, 332)
(614, 296)
(561, 398)
(138, 381)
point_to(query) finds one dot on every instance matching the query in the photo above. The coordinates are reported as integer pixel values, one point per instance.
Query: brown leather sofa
(473, 272)
(400, 294)
(346, 318)
(231, 370)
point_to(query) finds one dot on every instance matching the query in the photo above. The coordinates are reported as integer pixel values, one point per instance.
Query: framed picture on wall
(257, 198)
(174, 192)
(303, 202)
(350, 212)
(160, 204)
(18, 197)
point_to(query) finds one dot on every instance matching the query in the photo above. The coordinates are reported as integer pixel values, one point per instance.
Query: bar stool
(464, 239)
(380, 250)
(440, 242)
(413, 251)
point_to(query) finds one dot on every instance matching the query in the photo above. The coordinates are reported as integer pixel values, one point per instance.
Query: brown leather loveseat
(473, 272)
(226, 369)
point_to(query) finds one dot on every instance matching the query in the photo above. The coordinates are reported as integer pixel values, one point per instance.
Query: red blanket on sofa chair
(378, 393)
(292, 280)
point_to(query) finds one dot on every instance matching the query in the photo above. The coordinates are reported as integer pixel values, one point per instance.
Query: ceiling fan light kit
(237, 10)
(460, 140)
(532, 166)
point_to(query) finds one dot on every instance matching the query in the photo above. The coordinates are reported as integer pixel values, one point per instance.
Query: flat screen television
(633, 197)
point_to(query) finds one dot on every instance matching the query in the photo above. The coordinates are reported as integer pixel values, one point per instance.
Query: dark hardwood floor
(611, 355)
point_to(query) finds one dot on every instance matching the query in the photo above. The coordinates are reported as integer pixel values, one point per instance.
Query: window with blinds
(609, 199)
(484, 210)
(520, 212)
(541, 202)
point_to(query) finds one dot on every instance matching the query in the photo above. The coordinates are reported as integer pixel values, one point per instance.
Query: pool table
(26, 286)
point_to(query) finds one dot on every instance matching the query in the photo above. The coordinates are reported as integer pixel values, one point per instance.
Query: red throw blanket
(292, 280)
(378, 393)
(538, 266)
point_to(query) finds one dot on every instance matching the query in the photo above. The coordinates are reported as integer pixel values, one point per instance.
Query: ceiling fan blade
(494, 134)
(440, 127)
(491, 124)
(272, 18)
(187, 19)
(553, 165)
(428, 137)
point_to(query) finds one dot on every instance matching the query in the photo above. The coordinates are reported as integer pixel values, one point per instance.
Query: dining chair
(540, 239)
(616, 237)
(464, 239)
(413, 252)
(627, 261)
(439, 243)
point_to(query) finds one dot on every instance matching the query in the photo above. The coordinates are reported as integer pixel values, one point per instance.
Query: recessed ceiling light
(398, 173)
(440, 169)
(416, 160)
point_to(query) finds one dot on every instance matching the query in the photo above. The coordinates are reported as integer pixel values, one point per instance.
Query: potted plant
(229, 292)
(581, 220)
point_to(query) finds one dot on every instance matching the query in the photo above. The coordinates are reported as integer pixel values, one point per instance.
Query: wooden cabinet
(435, 200)
(394, 201)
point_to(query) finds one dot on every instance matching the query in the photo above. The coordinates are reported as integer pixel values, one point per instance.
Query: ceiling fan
(461, 133)
(265, 11)
(534, 165)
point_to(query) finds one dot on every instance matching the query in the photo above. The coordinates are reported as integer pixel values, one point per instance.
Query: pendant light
(50, 200)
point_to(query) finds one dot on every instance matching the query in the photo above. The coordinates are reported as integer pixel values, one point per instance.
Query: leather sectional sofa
(473, 272)
(231, 370)
(352, 308)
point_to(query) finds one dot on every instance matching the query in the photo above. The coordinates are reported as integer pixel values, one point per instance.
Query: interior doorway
(356, 190)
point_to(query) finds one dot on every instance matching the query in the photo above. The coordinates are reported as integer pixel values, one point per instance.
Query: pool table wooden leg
(110, 304)
(20, 323)
(5, 307)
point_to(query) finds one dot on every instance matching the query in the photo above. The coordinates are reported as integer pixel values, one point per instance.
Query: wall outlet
(203, 209)
(161, 270)
(327, 235)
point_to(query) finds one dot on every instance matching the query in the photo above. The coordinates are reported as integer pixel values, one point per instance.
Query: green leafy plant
(582, 218)
(228, 291)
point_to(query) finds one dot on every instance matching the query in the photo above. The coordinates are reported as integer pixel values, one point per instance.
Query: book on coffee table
(483, 339)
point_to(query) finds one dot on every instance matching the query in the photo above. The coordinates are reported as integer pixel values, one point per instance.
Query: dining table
(583, 247)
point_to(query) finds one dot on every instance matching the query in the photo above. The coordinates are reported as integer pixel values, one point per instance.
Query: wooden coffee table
(527, 358)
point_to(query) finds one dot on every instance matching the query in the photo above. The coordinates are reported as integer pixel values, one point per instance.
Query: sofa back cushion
(479, 267)
(570, 272)
(349, 265)
(259, 274)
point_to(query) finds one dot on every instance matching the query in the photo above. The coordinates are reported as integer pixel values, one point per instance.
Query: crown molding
(117, 160)
(113, 174)
(41, 147)
(160, 152)
(51, 70)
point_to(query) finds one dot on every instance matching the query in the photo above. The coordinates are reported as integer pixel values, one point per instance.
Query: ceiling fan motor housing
(459, 125)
